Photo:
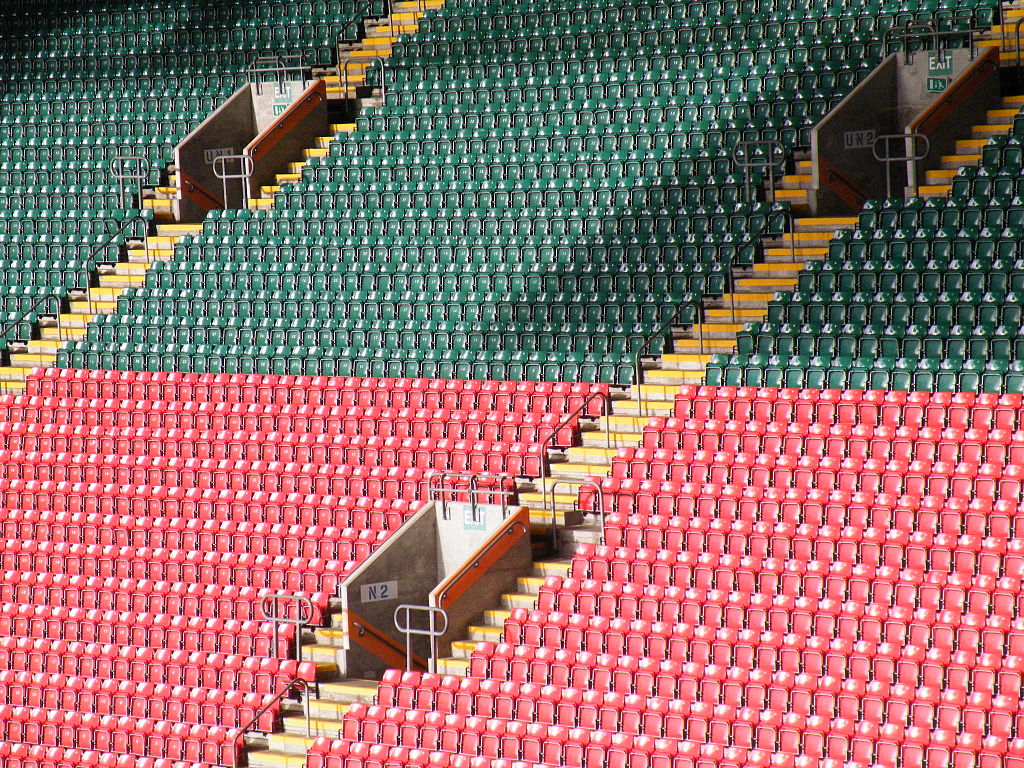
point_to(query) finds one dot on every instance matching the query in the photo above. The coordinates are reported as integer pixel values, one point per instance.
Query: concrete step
(496, 617)
(590, 454)
(10, 374)
(938, 176)
(350, 690)
(63, 333)
(785, 254)
(545, 568)
(797, 181)
(651, 407)
(575, 471)
(484, 633)
(44, 346)
(934, 190)
(671, 376)
(969, 145)
(960, 161)
(453, 666)
(990, 129)
(825, 223)
(790, 195)
(805, 239)
(290, 743)
(32, 360)
(272, 758)
(296, 726)
(684, 362)
(762, 284)
(329, 637)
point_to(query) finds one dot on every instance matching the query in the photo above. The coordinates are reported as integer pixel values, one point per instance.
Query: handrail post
(303, 616)
(554, 510)
(565, 422)
(130, 168)
(743, 156)
(638, 374)
(436, 493)
(243, 174)
(432, 612)
(299, 683)
(909, 155)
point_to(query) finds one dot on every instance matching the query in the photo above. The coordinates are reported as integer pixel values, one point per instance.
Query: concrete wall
(409, 558)
(227, 130)
(411, 565)
(282, 140)
(845, 172)
(974, 90)
(488, 573)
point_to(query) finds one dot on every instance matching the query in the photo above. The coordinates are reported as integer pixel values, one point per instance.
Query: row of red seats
(17, 755)
(340, 753)
(235, 445)
(613, 711)
(193, 669)
(147, 596)
(153, 630)
(649, 497)
(297, 419)
(191, 533)
(909, 514)
(907, 587)
(105, 696)
(125, 735)
(274, 476)
(316, 390)
(919, 409)
(238, 569)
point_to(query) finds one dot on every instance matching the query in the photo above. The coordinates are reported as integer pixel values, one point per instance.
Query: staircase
(998, 122)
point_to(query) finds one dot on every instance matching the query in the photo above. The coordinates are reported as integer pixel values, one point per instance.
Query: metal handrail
(297, 683)
(1016, 40)
(303, 616)
(110, 239)
(246, 166)
(473, 490)
(118, 169)
(279, 66)
(638, 372)
(746, 160)
(920, 30)
(26, 314)
(432, 631)
(476, 562)
(368, 61)
(554, 512)
(909, 155)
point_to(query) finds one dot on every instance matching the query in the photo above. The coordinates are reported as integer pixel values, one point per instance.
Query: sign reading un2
(382, 590)
(858, 139)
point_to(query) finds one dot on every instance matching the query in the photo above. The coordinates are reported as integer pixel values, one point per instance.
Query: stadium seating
(788, 577)
(146, 517)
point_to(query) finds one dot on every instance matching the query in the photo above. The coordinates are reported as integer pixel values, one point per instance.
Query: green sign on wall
(939, 73)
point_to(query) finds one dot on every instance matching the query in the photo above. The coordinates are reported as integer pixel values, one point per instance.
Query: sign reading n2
(382, 590)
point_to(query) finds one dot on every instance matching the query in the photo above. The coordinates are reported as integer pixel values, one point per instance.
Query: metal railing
(243, 173)
(138, 217)
(405, 612)
(1017, 44)
(476, 562)
(379, 60)
(638, 371)
(435, 492)
(910, 155)
(299, 684)
(773, 154)
(280, 66)
(554, 510)
(24, 316)
(922, 30)
(272, 605)
(126, 168)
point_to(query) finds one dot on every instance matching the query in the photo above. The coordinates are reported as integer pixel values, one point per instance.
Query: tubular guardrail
(920, 30)
(12, 325)
(743, 155)
(303, 615)
(280, 66)
(379, 60)
(910, 154)
(638, 371)
(554, 511)
(130, 168)
(242, 174)
(251, 725)
(138, 217)
(405, 611)
(436, 492)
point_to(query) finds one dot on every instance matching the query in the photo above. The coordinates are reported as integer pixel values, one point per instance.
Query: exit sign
(936, 84)
(939, 73)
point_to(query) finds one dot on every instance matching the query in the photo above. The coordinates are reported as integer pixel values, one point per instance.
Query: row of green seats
(987, 339)
(625, 309)
(924, 374)
(886, 307)
(588, 338)
(350, 361)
